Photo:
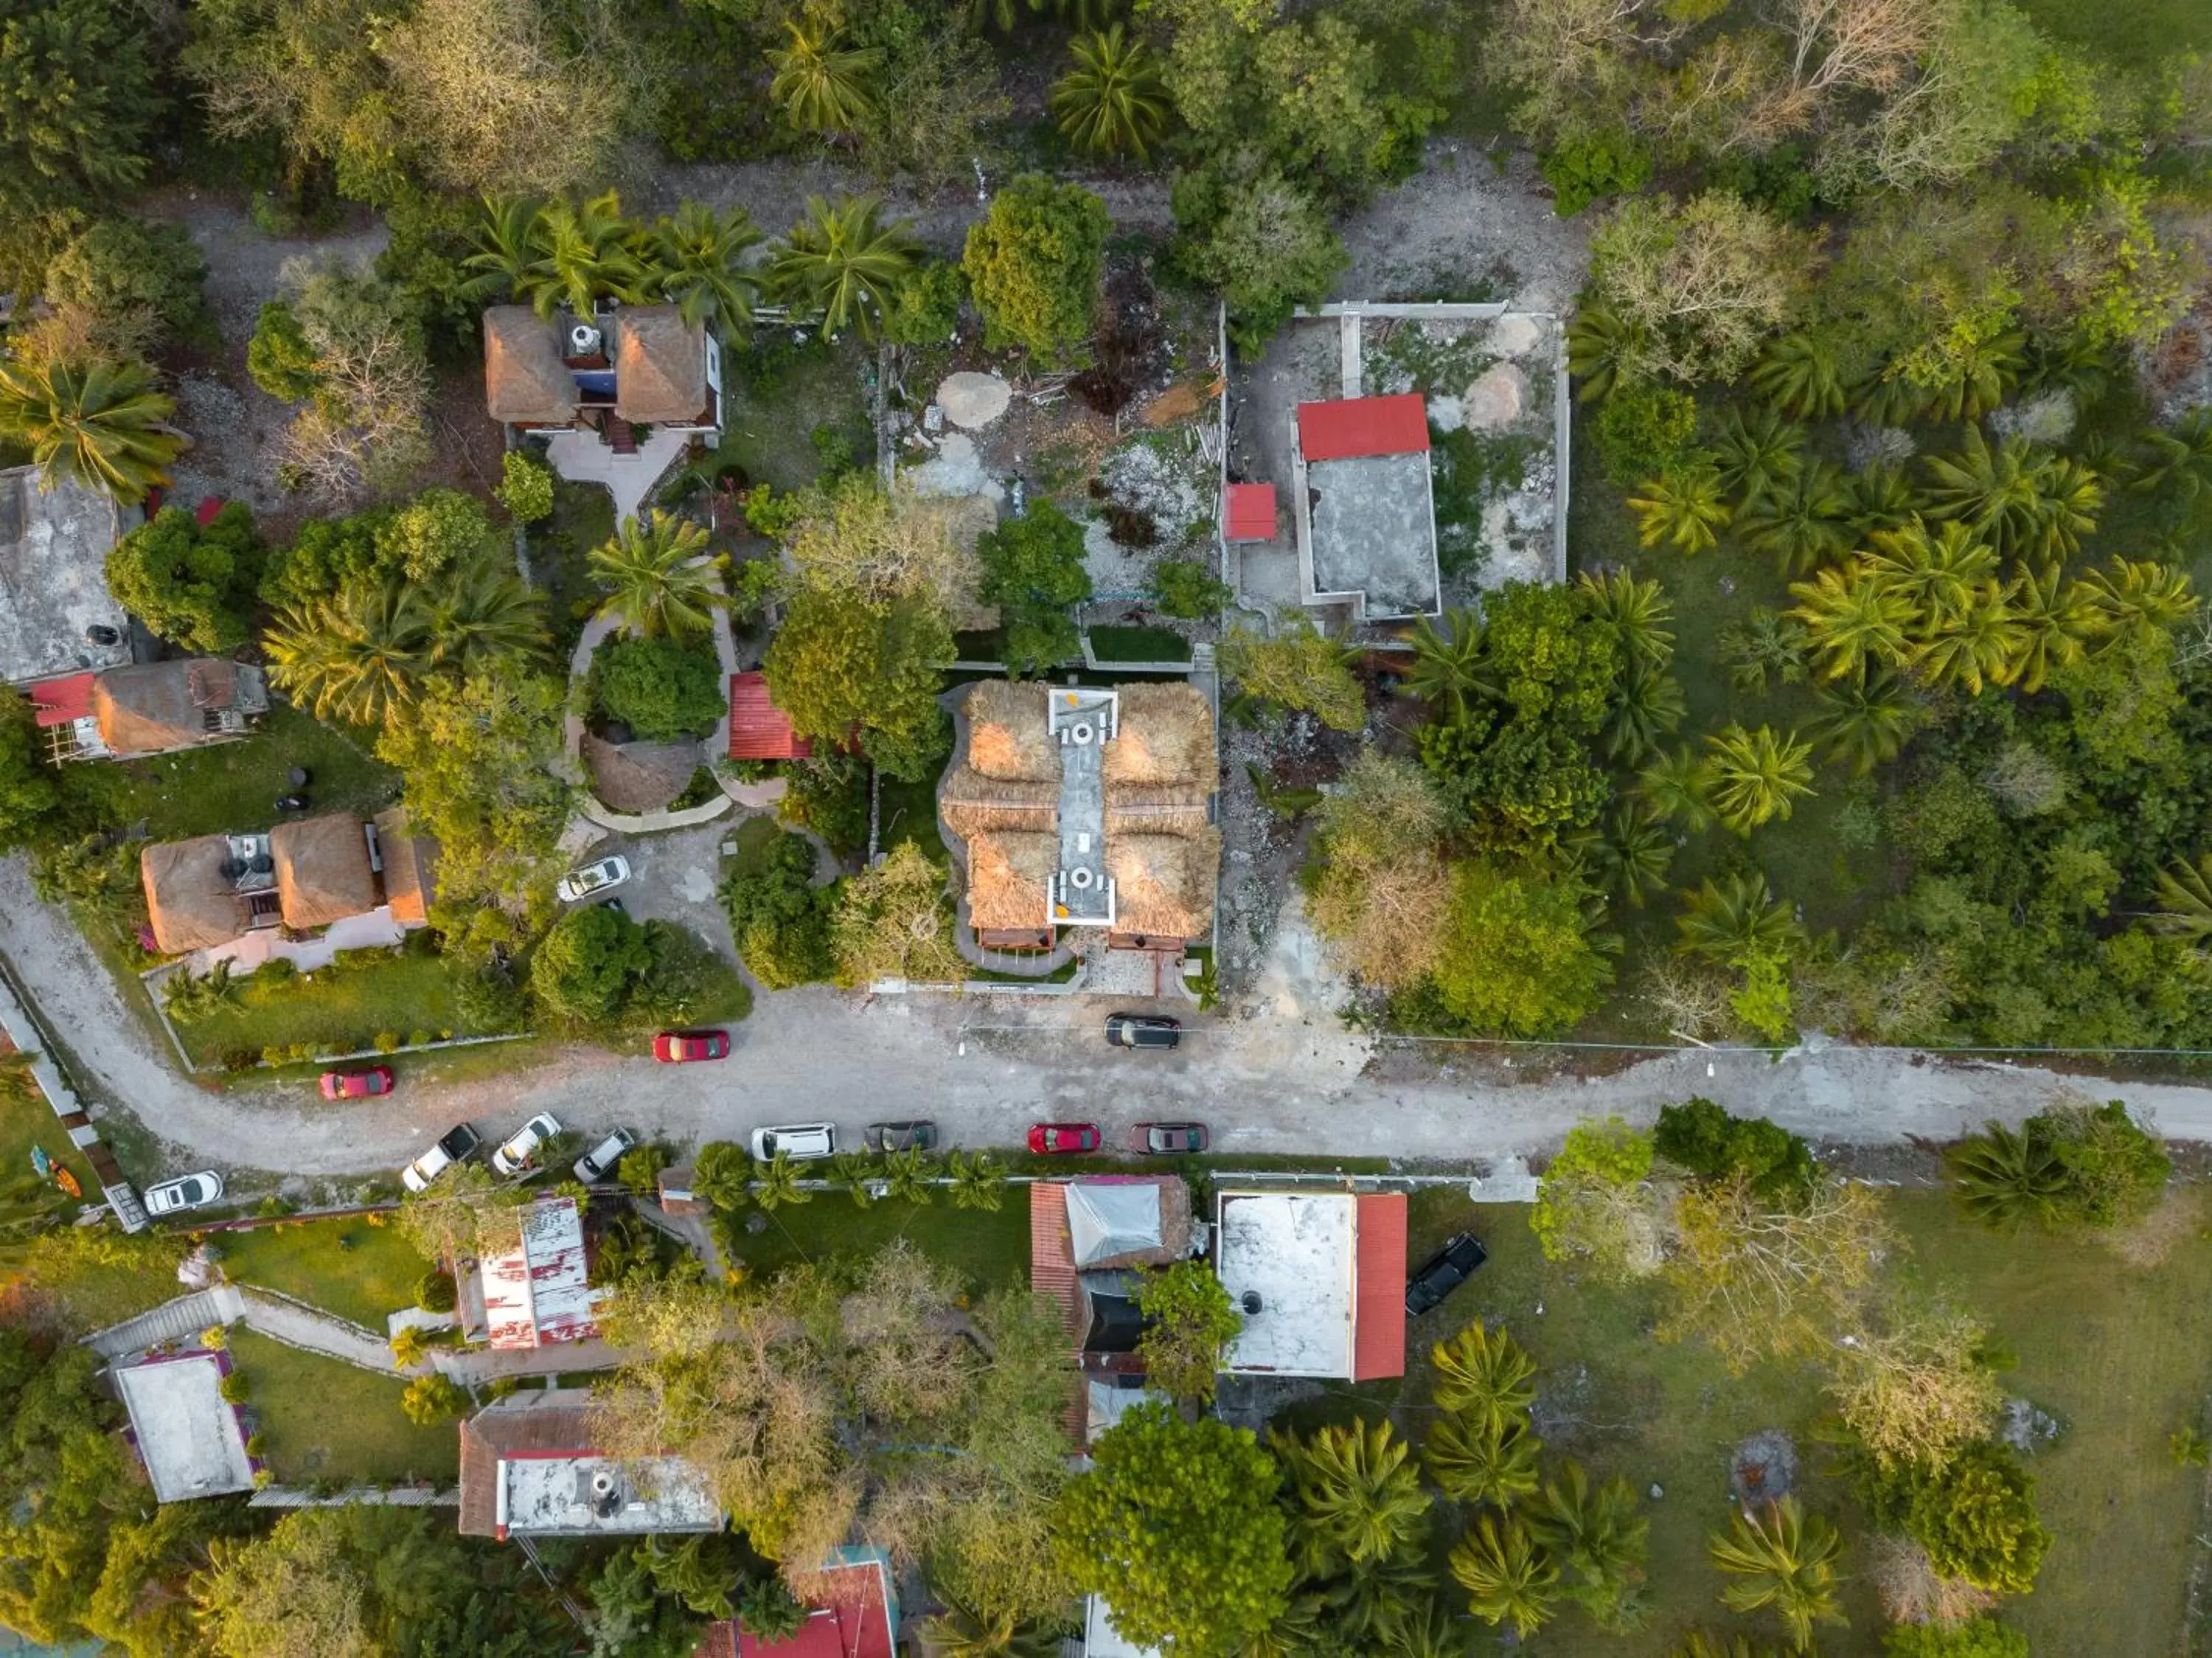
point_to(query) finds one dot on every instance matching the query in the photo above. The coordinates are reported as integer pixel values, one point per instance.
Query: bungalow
(624, 367)
(528, 1470)
(190, 1437)
(539, 1293)
(204, 893)
(129, 712)
(1088, 1238)
(1320, 1279)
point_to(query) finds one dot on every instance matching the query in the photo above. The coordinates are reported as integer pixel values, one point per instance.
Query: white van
(799, 1142)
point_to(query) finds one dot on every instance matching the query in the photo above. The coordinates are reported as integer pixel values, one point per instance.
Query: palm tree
(1734, 917)
(2005, 1179)
(507, 247)
(29, 1206)
(1599, 344)
(979, 1180)
(1799, 375)
(1354, 1495)
(1677, 786)
(845, 262)
(1629, 855)
(659, 577)
(2074, 495)
(2022, 500)
(1599, 1539)
(1699, 1644)
(822, 84)
(1299, 1631)
(583, 255)
(411, 1345)
(776, 1183)
(1938, 574)
(1448, 666)
(1488, 1380)
(1982, 642)
(2053, 621)
(358, 655)
(909, 1174)
(1983, 377)
(696, 260)
(189, 995)
(723, 1175)
(98, 424)
(1366, 1604)
(1880, 497)
(1683, 506)
(1864, 722)
(484, 614)
(1785, 1559)
(1762, 645)
(1429, 1631)
(2068, 362)
(1471, 1464)
(1112, 102)
(959, 1633)
(2184, 897)
(1887, 398)
(1647, 705)
(2182, 457)
(1757, 454)
(1852, 618)
(1508, 1577)
(1639, 611)
(855, 1173)
(1757, 776)
(1802, 522)
(2131, 593)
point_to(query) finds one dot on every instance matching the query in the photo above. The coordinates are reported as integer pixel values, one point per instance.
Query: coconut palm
(482, 614)
(1355, 1497)
(2065, 362)
(1486, 1379)
(1799, 375)
(2053, 621)
(2181, 458)
(2185, 898)
(696, 260)
(2021, 500)
(1112, 102)
(1508, 1577)
(1880, 497)
(1783, 1559)
(1853, 621)
(1887, 398)
(1627, 856)
(411, 1345)
(1449, 667)
(1735, 916)
(1600, 1541)
(584, 256)
(1756, 776)
(1937, 573)
(1472, 1464)
(1981, 644)
(1764, 645)
(1429, 1631)
(1865, 723)
(357, 656)
(2129, 594)
(2005, 1179)
(1678, 787)
(775, 1183)
(1599, 346)
(505, 240)
(98, 424)
(1639, 611)
(1683, 506)
(960, 1632)
(1802, 521)
(189, 995)
(822, 85)
(1756, 454)
(854, 1173)
(1299, 1631)
(1364, 1604)
(979, 1180)
(845, 262)
(1647, 705)
(908, 1175)
(659, 577)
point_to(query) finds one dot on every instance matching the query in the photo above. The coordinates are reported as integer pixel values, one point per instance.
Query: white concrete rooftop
(587, 1496)
(188, 1435)
(53, 578)
(1296, 1250)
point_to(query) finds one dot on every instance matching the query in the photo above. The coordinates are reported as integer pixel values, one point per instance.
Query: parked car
(1142, 1030)
(592, 878)
(800, 1141)
(1169, 1139)
(457, 1144)
(1443, 1272)
(685, 1047)
(1056, 1138)
(357, 1084)
(186, 1191)
(514, 1157)
(900, 1137)
(599, 1162)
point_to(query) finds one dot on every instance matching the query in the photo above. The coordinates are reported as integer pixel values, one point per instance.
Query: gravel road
(1274, 1082)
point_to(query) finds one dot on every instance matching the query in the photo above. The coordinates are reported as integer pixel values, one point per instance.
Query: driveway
(1286, 1078)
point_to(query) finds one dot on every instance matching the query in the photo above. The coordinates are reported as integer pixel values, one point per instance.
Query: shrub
(1033, 262)
(1644, 430)
(193, 586)
(215, 1338)
(277, 970)
(525, 487)
(386, 1042)
(639, 1169)
(1977, 1637)
(1700, 1136)
(256, 1443)
(436, 1292)
(1187, 589)
(235, 1389)
(121, 269)
(432, 1399)
(924, 307)
(661, 690)
(1612, 162)
(1975, 1516)
(780, 919)
(280, 357)
(829, 794)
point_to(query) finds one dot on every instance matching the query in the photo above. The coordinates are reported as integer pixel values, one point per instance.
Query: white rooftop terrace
(53, 578)
(586, 1496)
(1297, 1252)
(188, 1435)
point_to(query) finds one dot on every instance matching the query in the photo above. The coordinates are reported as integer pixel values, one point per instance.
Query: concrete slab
(53, 578)
(1350, 329)
(973, 401)
(188, 1435)
(1374, 532)
(1295, 1251)
(582, 458)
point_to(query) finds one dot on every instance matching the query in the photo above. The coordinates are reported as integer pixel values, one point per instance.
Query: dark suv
(918, 1135)
(1443, 1272)
(1142, 1030)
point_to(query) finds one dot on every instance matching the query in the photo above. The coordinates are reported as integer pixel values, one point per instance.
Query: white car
(186, 1191)
(458, 1143)
(592, 878)
(599, 1162)
(514, 1157)
(800, 1141)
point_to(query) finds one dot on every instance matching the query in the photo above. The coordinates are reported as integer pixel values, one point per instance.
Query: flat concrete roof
(1101, 1640)
(1375, 533)
(1297, 1251)
(188, 1435)
(53, 578)
(1082, 721)
(554, 1494)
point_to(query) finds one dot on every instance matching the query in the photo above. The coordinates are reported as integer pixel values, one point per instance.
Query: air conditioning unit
(585, 339)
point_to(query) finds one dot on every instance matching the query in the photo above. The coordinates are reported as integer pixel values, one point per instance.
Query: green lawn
(754, 836)
(320, 1419)
(778, 395)
(990, 1248)
(31, 1121)
(909, 812)
(348, 1266)
(340, 1010)
(233, 787)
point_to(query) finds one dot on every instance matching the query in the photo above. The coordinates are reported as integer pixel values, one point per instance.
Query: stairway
(620, 437)
(179, 1320)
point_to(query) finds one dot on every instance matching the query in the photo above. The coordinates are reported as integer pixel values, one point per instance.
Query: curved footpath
(986, 1068)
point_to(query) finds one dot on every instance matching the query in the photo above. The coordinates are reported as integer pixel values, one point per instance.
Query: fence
(18, 1019)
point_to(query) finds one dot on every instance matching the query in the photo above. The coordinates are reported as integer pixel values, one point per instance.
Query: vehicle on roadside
(1443, 1272)
(599, 1162)
(1169, 1139)
(916, 1136)
(688, 1047)
(357, 1084)
(186, 1191)
(592, 878)
(458, 1143)
(516, 1156)
(1054, 1139)
(800, 1141)
(1142, 1030)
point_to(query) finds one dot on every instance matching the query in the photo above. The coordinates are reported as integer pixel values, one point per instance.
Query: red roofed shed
(1378, 1324)
(1354, 427)
(208, 506)
(1251, 512)
(759, 730)
(57, 702)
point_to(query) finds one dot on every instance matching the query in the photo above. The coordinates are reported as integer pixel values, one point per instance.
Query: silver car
(186, 1191)
(592, 878)
(599, 1162)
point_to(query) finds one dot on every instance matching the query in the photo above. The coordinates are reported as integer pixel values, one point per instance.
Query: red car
(356, 1084)
(681, 1047)
(1063, 1137)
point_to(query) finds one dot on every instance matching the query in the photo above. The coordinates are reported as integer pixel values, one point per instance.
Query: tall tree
(660, 578)
(1111, 101)
(1701, 284)
(359, 657)
(696, 260)
(1355, 1496)
(1032, 262)
(822, 84)
(1510, 1577)
(100, 425)
(1782, 1559)
(1189, 1320)
(845, 262)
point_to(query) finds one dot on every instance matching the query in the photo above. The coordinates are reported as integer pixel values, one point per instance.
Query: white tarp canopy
(1107, 1220)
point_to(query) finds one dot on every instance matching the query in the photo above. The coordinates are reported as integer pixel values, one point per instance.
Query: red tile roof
(57, 702)
(1052, 1272)
(1251, 512)
(1354, 427)
(1379, 1317)
(759, 730)
(850, 1620)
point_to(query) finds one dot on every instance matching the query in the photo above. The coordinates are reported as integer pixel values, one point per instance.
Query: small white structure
(971, 400)
(1101, 1640)
(1319, 1279)
(529, 1469)
(1109, 1219)
(188, 1435)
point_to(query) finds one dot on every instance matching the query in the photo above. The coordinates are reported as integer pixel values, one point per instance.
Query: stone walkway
(266, 1312)
(582, 457)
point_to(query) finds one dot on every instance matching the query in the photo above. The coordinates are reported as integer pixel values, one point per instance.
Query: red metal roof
(849, 1620)
(1252, 512)
(1052, 1272)
(759, 729)
(1353, 428)
(57, 702)
(210, 506)
(1378, 1315)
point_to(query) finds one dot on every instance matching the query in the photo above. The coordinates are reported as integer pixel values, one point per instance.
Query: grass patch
(990, 1248)
(341, 1009)
(233, 787)
(988, 645)
(1059, 975)
(2136, 35)
(754, 837)
(26, 1123)
(560, 548)
(322, 1420)
(909, 812)
(346, 1266)
(1139, 644)
(778, 394)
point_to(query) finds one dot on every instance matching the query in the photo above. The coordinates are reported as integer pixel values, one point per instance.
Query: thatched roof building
(322, 870)
(660, 366)
(638, 777)
(411, 866)
(1007, 736)
(1164, 884)
(1009, 873)
(192, 896)
(154, 707)
(525, 382)
(1166, 738)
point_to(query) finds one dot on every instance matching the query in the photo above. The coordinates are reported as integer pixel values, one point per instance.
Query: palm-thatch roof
(972, 804)
(1009, 873)
(525, 382)
(660, 365)
(1165, 736)
(192, 898)
(1164, 884)
(322, 870)
(154, 707)
(638, 777)
(411, 863)
(1008, 736)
